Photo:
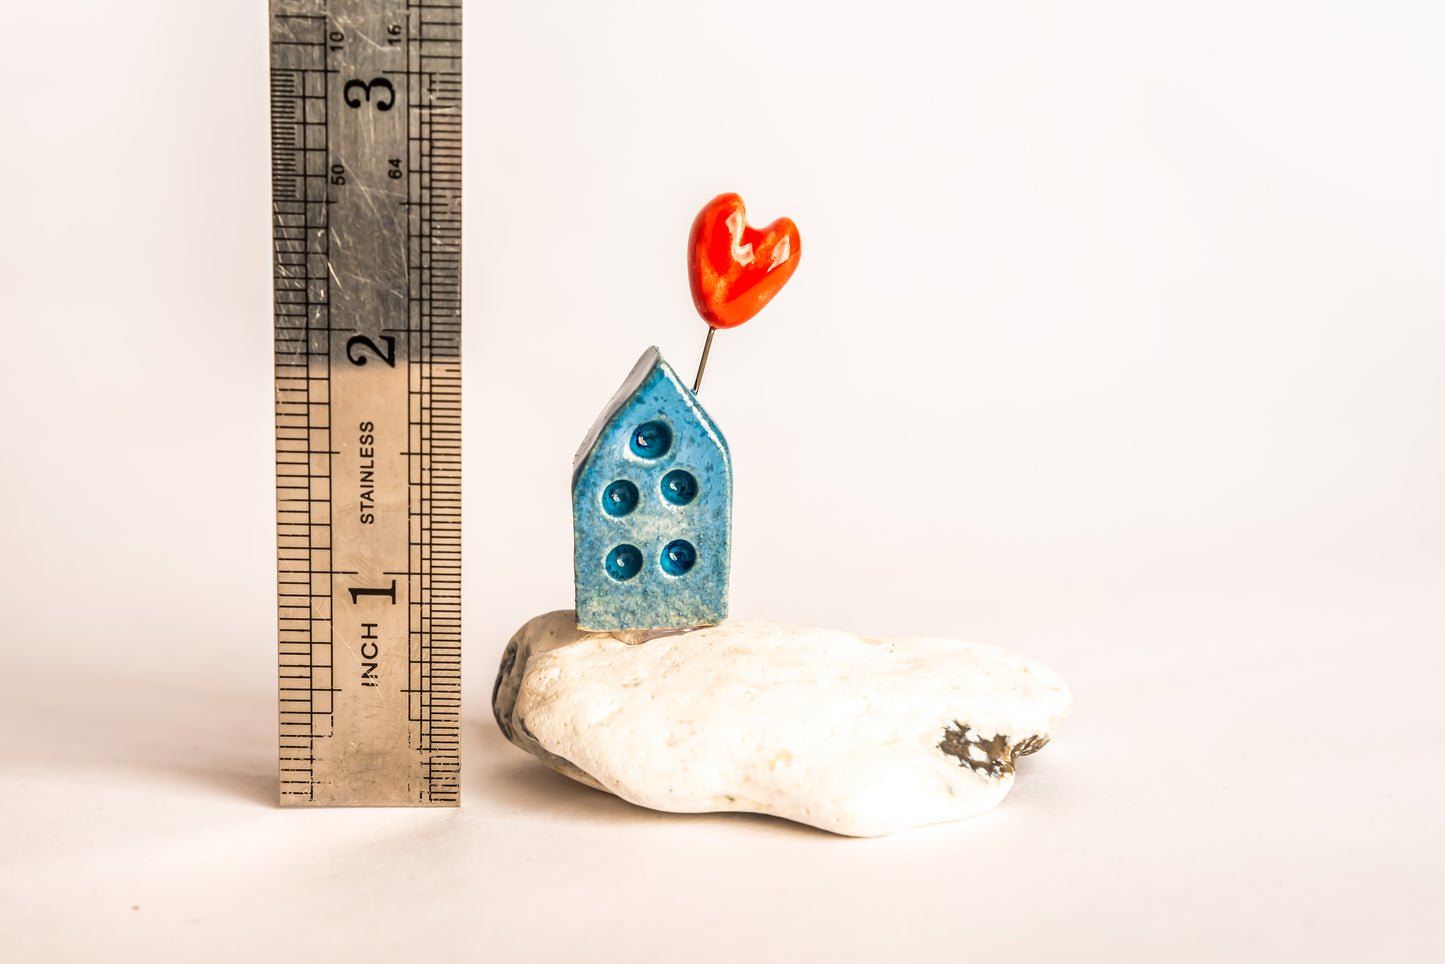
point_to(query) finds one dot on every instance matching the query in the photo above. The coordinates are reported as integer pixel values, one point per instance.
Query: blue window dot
(624, 562)
(679, 487)
(651, 440)
(678, 557)
(619, 498)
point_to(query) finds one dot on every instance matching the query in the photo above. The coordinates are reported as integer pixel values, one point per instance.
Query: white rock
(855, 735)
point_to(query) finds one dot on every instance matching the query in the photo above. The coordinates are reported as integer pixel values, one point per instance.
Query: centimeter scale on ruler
(366, 168)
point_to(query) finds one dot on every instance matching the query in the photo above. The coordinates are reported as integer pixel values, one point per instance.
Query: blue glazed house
(652, 495)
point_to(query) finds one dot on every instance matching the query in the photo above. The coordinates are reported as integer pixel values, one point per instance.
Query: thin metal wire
(706, 347)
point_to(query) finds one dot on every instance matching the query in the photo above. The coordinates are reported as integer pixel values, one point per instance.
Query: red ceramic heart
(735, 269)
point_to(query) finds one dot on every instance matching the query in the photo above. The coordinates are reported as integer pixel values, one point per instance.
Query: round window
(651, 440)
(679, 487)
(619, 498)
(624, 562)
(678, 557)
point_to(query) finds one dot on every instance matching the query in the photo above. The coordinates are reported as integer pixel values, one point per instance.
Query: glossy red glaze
(735, 269)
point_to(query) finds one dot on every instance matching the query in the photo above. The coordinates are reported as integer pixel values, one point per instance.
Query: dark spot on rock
(1032, 744)
(993, 757)
(509, 659)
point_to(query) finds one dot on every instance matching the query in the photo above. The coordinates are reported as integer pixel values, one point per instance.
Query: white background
(1117, 340)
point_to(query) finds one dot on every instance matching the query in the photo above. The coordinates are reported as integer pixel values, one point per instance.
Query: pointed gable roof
(651, 373)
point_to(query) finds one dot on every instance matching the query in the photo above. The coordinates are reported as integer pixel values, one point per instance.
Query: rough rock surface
(852, 734)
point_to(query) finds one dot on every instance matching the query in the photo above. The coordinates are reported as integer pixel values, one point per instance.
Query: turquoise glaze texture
(652, 498)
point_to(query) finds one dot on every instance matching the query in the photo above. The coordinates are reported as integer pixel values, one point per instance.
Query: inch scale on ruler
(366, 168)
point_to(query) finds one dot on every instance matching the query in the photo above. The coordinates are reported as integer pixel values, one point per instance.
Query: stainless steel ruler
(366, 166)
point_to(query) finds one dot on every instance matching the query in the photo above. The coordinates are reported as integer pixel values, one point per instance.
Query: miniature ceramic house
(652, 496)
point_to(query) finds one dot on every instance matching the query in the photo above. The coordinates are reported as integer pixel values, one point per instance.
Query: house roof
(651, 371)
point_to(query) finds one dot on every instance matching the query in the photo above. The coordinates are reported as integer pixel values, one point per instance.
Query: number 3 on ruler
(380, 83)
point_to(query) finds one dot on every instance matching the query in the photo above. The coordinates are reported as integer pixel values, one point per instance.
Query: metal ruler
(366, 168)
